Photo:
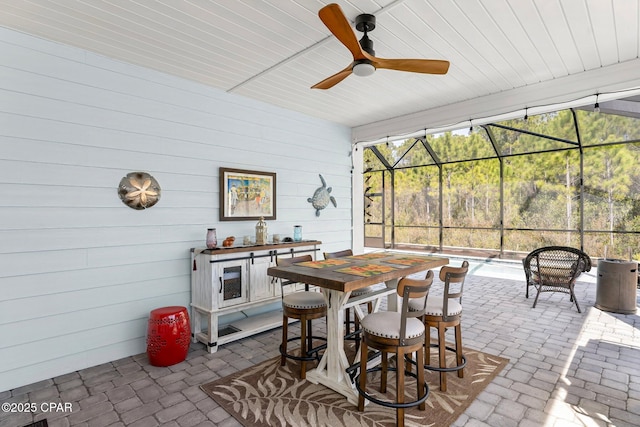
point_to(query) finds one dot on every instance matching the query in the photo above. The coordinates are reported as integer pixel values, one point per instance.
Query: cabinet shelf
(246, 327)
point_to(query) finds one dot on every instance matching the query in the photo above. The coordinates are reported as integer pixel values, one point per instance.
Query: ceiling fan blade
(330, 82)
(337, 23)
(427, 66)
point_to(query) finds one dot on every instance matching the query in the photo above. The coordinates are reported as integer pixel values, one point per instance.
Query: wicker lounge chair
(555, 269)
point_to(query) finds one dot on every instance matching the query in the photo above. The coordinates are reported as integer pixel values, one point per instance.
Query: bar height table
(338, 278)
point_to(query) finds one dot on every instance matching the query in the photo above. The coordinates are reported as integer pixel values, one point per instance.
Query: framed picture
(247, 195)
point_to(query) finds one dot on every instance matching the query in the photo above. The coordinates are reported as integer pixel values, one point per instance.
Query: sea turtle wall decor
(321, 197)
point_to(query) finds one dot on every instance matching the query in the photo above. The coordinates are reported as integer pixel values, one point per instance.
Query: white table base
(331, 371)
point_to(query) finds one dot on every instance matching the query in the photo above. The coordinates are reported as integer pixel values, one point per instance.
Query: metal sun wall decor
(321, 197)
(139, 190)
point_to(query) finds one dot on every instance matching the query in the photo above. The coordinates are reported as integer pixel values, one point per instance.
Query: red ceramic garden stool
(168, 335)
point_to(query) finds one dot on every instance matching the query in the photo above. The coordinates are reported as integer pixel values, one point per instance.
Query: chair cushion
(416, 304)
(386, 324)
(363, 291)
(306, 299)
(435, 307)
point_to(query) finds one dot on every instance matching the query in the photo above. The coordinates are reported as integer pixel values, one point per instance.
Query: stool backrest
(412, 289)
(283, 262)
(339, 254)
(453, 278)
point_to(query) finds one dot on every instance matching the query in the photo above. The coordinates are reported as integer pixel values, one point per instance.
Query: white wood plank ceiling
(274, 50)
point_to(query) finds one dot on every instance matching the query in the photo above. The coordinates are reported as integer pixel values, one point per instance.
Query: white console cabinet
(232, 280)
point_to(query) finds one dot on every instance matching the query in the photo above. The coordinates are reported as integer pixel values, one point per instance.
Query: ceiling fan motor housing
(365, 23)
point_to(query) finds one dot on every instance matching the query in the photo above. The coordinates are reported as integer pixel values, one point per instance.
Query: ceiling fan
(364, 62)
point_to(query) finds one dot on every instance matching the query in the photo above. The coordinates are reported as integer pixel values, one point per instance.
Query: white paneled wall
(79, 270)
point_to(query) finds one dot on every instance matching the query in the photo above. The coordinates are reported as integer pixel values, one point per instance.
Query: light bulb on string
(596, 108)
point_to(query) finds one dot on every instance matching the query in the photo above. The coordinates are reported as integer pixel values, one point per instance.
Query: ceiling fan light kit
(364, 60)
(363, 69)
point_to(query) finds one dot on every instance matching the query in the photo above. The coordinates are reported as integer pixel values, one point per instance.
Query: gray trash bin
(617, 286)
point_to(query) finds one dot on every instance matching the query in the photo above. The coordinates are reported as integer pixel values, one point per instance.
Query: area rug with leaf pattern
(268, 394)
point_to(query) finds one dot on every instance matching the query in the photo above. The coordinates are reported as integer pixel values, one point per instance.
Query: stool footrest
(353, 369)
(386, 402)
(311, 351)
(355, 335)
(439, 369)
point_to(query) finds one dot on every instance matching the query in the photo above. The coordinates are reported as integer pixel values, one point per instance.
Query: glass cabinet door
(232, 283)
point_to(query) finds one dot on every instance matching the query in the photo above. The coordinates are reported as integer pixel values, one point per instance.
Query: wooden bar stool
(305, 306)
(400, 333)
(443, 313)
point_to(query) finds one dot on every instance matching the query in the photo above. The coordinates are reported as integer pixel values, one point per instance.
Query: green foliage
(541, 163)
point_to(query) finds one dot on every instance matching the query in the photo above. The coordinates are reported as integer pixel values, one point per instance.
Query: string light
(545, 107)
